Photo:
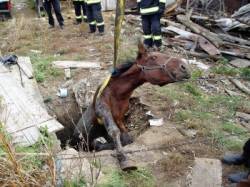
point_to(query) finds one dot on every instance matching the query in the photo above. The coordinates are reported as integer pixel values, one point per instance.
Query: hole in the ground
(136, 121)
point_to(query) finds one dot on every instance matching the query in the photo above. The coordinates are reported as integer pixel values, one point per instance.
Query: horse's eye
(153, 57)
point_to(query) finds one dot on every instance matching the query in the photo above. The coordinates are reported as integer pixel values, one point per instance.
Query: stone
(71, 165)
(243, 116)
(206, 173)
(85, 89)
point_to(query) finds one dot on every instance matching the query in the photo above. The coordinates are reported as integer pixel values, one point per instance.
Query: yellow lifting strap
(100, 90)
(103, 86)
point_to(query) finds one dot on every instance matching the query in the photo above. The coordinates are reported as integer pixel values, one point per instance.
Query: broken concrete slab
(77, 64)
(206, 173)
(140, 151)
(30, 85)
(159, 136)
(24, 115)
(26, 66)
(240, 63)
(71, 165)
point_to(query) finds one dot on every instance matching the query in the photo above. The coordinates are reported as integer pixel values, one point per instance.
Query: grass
(75, 183)
(138, 178)
(232, 128)
(43, 68)
(192, 89)
(225, 70)
(228, 142)
(208, 114)
(245, 72)
(196, 74)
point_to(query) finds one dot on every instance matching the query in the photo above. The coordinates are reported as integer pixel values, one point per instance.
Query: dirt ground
(27, 35)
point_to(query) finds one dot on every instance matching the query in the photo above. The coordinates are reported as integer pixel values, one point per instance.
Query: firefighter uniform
(57, 9)
(80, 11)
(151, 12)
(94, 15)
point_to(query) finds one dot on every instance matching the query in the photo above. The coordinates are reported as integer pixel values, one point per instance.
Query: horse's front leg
(103, 111)
(125, 137)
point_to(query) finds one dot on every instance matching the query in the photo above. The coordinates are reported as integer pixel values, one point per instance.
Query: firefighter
(151, 12)
(57, 9)
(80, 11)
(239, 159)
(94, 15)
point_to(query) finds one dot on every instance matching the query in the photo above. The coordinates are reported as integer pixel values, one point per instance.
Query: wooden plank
(212, 37)
(77, 64)
(206, 173)
(25, 65)
(24, 113)
(240, 63)
(241, 86)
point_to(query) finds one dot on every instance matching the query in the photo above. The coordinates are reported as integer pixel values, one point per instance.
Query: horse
(105, 117)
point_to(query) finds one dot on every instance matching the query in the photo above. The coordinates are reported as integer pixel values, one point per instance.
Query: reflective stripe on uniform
(84, 17)
(92, 1)
(163, 1)
(147, 36)
(78, 17)
(149, 10)
(92, 23)
(100, 24)
(138, 1)
(158, 37)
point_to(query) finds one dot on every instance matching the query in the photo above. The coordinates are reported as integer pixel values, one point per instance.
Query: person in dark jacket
(48, 4)
(94, 14)
(80, 11)
(239, 159)
(151, 12)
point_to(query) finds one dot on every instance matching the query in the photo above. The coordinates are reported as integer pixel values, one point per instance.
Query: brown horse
(113, 102)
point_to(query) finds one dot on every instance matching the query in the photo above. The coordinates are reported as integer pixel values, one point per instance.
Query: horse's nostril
(183, 67)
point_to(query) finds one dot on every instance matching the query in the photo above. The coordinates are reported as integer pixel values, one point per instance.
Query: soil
(74, 43)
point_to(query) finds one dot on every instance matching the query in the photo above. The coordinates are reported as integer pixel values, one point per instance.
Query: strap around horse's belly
(98, 94)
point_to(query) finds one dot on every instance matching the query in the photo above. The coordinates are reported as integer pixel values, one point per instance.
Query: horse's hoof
(127, 165)
(126, 139)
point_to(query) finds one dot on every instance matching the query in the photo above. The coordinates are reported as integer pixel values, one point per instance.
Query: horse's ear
(141, 50)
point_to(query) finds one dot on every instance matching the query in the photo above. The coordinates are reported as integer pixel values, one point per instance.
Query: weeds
(75, 183)
(233, 143)
(196, 74)
(225, 70)
(232, 128)
(138, 178)
(191, 88)
(245, 72)
(43, 68)
(223, 61)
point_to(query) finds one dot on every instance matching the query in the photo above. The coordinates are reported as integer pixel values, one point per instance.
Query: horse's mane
(120, 69)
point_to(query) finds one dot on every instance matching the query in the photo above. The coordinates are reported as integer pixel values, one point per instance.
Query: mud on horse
(105, 117)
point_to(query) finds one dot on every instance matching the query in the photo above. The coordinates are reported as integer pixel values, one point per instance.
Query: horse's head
(160, 69)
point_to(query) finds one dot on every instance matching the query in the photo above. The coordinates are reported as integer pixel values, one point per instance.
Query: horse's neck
(124, 85)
